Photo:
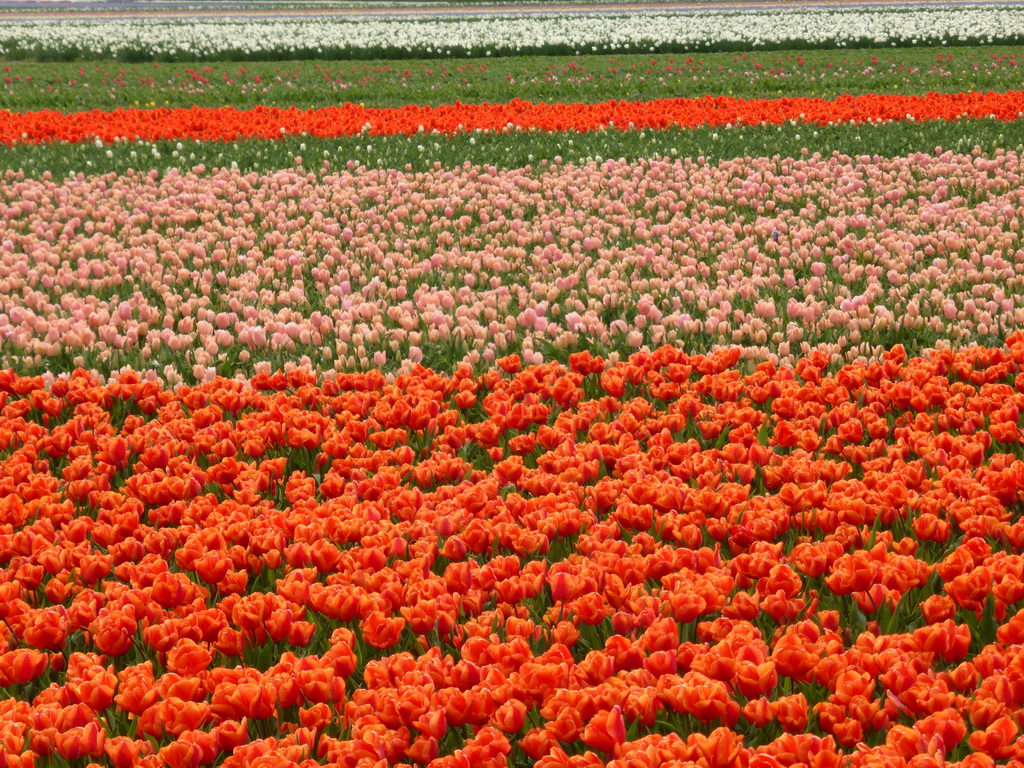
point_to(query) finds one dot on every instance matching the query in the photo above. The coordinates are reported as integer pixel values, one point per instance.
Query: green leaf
(988, 625)
(858, 621)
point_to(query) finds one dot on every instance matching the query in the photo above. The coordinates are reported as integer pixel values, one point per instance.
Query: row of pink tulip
(347, 269)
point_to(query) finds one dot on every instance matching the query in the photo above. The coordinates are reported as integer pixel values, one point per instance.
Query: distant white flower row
(204, 38)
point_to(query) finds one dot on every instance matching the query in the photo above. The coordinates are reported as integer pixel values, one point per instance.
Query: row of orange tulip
(666, 561)
(232, 124)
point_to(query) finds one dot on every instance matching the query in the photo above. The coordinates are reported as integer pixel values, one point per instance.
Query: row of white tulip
(586, 33)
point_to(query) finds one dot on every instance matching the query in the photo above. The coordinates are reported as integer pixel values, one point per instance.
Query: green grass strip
(515, 149)
(565, 78)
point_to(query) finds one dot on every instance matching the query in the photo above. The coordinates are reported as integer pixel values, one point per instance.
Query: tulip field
(521, 385)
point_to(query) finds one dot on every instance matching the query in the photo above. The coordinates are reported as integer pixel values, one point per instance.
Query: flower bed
(204, 272)
(313, 36)
(618, 432)
(231, 124)
(568, 565)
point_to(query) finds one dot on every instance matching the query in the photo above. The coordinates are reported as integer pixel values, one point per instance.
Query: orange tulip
(721, 748)
(432, 724)
(791, 712)
(46, 629)
(511, 716)
(124, 752)
(113, 633)
(998, 740)
(81, 741)
(252, 701)
(758, 712)
(423, 750)
(188, 658)
(755, 679)
(135, 695)
(97, 692)
(21, 666)
(792, 658)
(605, 731)
(380, 631)
(183, 753)
(177, 716)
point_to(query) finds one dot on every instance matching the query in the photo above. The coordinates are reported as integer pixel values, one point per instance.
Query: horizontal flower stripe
(230, 124)
(442, 10)
(489, 262)
(668, 562)
(336, 38)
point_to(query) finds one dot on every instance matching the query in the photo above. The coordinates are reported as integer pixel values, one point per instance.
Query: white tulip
(517, 29)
